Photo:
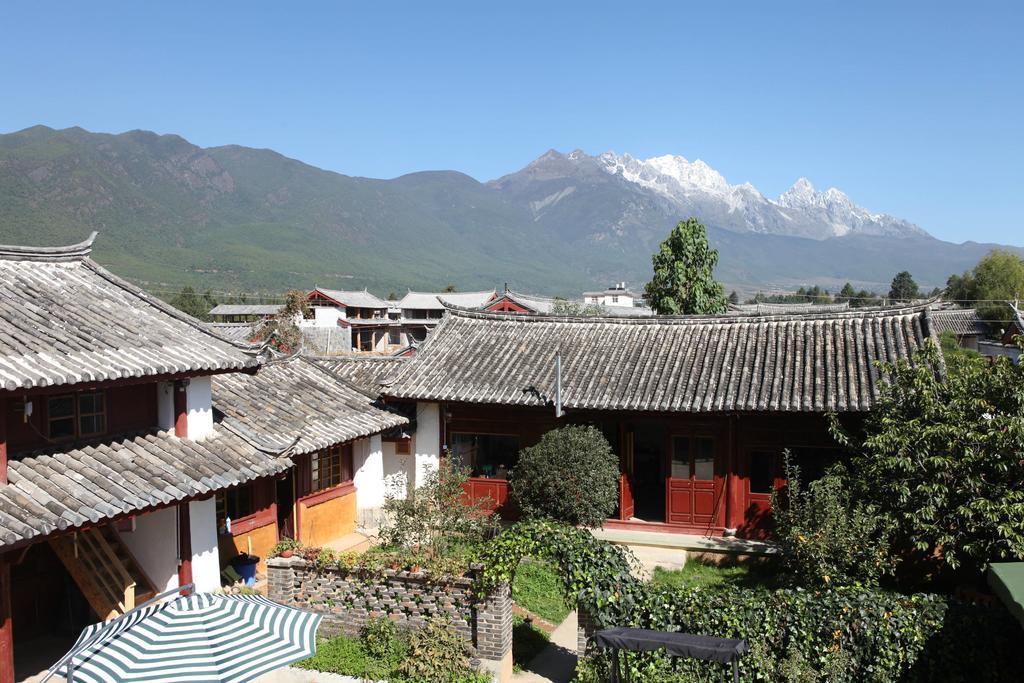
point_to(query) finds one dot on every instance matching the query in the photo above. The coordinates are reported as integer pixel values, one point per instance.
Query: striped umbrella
(200, 637)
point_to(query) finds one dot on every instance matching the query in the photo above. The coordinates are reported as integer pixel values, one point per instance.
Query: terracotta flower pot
(287, 553)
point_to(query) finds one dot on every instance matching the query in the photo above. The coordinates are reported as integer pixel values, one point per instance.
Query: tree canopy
(684, 266)
(903, 287)
(940, 459)
(998, 278)
(196, 305)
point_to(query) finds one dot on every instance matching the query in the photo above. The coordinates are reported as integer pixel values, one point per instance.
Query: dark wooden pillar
(184, 544)
(181, 409)
(3, 441)
(6, 631)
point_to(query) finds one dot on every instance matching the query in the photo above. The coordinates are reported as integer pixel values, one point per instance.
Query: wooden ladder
(104, 569)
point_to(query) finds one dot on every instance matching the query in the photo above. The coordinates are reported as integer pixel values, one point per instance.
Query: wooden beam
(3, 440)
(6, 630)
(184, 545)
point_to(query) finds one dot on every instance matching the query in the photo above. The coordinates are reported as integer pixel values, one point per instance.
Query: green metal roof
(1007, 580)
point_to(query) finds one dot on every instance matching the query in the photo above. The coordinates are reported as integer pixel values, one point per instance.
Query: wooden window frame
(339, 461)
(77, 414)
(472, 466)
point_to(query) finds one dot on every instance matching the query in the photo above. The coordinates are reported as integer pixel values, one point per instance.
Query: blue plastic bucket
(245, 565)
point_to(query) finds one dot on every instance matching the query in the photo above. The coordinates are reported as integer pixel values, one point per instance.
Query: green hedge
(834, 635)
(837, 634)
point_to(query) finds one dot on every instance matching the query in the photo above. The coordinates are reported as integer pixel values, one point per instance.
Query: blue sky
(912, 108)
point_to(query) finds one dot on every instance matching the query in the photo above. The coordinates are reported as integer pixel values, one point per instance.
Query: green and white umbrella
(200, 638)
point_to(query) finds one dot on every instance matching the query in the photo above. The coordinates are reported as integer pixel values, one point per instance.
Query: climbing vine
(594, 573)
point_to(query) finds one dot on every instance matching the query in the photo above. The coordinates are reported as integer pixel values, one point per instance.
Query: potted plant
(286, 547)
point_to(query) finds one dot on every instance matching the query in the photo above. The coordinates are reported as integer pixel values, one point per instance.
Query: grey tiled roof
(433, 300)
(365, 372)
(67, 320)
(358, 298)
(782, 309)
(235, 332)
(964, 321)
(545, 304)
(674, 364)
(64, 490)
(334, 339)
(245, 309)
(293, 397)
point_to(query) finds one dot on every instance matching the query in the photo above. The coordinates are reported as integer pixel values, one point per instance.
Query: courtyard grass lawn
(527, 641)
(704, 574)
(537, 588)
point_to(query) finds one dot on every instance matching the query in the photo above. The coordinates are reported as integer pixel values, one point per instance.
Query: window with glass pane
(486, 455)
(234, 504)
(704, 458)
(91, 414)
(680, 457)
(61, 416)
(762, 471)
(332, 466)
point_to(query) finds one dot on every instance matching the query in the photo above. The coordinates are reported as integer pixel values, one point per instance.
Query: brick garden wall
(347, 600)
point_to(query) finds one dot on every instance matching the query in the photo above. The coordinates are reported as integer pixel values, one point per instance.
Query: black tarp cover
(707, 648)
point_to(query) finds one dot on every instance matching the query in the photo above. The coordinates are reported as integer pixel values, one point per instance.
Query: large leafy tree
(941, 458)
(997, 279)
(283, 328)
(684, 281)
(903, 287)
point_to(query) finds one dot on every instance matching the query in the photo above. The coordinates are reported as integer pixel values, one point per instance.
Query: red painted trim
(121, 382)
(6, 629)
(180, 410)
(184, 545)
(316, 293)
(256, 520)
(505, 305)
(319, 497)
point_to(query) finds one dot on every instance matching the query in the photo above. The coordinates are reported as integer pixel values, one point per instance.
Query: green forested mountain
(170, 213)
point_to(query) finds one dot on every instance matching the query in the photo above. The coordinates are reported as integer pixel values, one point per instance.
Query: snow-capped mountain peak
(696, 187)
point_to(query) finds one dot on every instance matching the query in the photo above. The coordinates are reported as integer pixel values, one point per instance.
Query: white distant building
(421, 311)
(616, 295)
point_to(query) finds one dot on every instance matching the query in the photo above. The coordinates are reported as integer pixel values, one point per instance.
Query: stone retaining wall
(348, 600)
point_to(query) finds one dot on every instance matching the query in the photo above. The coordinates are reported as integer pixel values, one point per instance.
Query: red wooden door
(693, 485)
(626, 508)
(763, 474)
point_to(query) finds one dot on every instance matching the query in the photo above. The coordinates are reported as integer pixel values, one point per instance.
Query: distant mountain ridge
(172, 213)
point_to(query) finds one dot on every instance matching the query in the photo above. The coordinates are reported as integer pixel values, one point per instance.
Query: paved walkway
(557, 662)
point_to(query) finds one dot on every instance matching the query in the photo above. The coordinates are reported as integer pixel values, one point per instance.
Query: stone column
(585, 629)
(281, 580)
(494, 633)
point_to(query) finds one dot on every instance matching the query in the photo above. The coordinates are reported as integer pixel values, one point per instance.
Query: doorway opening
(648, 472)
(286, 507)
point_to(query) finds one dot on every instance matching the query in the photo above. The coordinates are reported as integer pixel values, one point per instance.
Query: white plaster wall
(154, 545)
(165, 405)
(397, 469)
(369, 477)
(327, 316)
(200, 408)
(428, 439)
(205, 560)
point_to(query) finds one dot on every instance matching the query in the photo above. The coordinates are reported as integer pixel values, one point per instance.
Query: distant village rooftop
(359, 298)
(437, 300)
(69, 320)
(811, 362)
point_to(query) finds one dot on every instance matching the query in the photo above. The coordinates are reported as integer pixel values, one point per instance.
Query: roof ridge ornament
(71, 252)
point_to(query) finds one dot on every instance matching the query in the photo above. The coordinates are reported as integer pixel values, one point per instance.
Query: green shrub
(437, 653)
(380, 638)
(824, 537)
(571, 476)
(434, 520)
(339, 655)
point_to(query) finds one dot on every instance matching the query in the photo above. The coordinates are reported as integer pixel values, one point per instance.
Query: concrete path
(291, 675)
(557, 662)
